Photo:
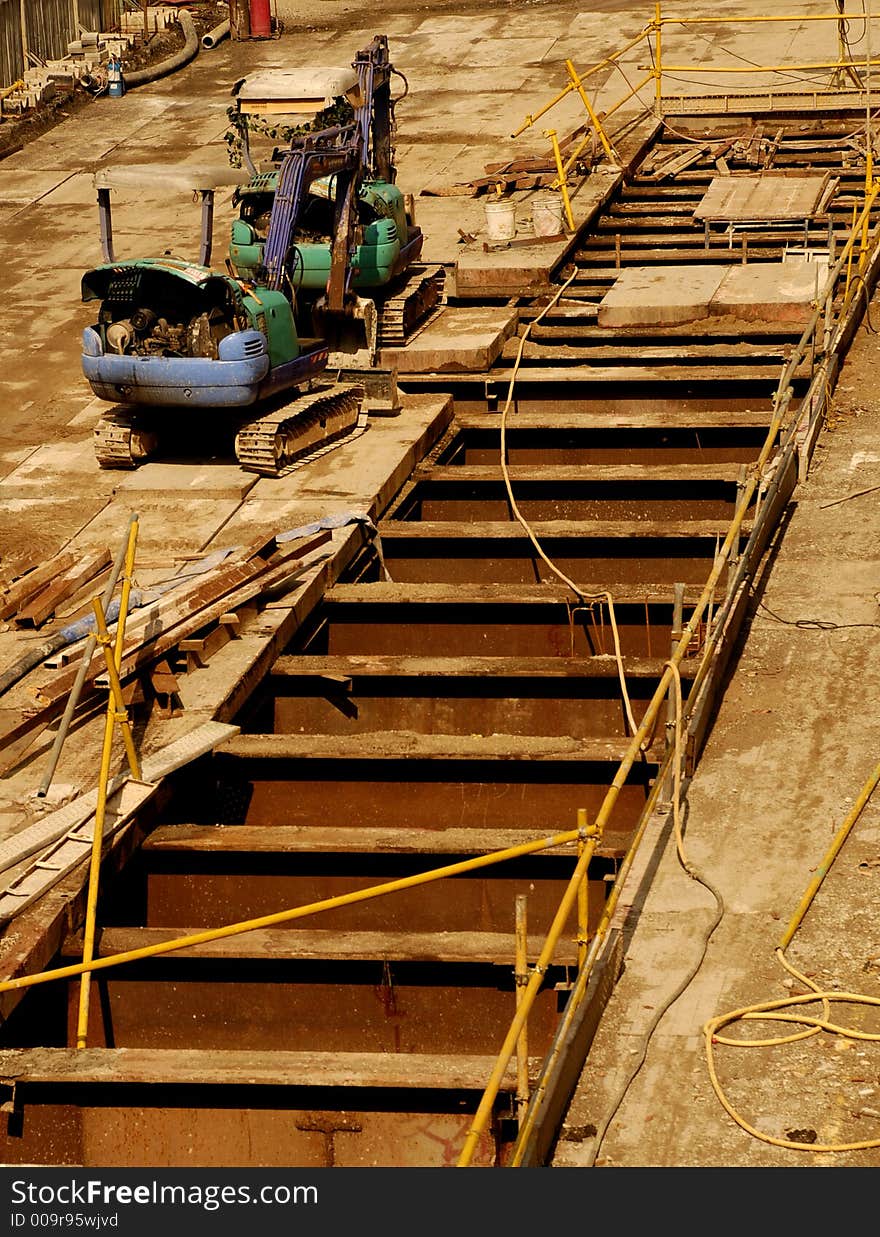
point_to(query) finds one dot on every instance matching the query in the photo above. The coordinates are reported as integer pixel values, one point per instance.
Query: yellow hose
(771, 1011)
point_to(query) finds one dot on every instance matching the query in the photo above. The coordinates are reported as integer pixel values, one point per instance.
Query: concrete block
(464, 338)
(769, 292)
(643, 296)
(206, 480)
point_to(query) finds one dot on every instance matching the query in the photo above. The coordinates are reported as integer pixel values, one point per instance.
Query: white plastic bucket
(547, 214)
(501, 220)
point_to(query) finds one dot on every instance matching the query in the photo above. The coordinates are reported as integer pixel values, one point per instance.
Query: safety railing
(844, 65)
(658, 74)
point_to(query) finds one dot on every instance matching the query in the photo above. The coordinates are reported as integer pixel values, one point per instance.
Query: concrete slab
(462, 338)
(20, 187)
(34, 527)
(362, 474)
(527, 269)
(454, 114)
(643, 295)
(73, 460)
(206, 480)
(757, 292)
(170, 524)
(769, 292)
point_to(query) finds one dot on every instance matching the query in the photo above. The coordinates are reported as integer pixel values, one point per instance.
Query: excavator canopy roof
(176, 178)
(285, 91)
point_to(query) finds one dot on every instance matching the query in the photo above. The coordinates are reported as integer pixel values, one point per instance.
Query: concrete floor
(797, 732)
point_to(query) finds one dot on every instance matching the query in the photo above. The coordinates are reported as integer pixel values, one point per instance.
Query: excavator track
(121, 441)
(409, 308)
(275, 443)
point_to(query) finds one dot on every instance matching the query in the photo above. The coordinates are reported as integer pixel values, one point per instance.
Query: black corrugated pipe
(141, 76)
(213, 37)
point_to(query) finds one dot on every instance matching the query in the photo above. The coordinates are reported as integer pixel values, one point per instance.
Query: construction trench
(463, 653)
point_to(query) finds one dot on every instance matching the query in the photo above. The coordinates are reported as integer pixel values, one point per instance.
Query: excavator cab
(354, 249)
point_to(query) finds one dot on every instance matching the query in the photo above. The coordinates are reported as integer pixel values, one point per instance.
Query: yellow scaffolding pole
(658, 61)
(583, 929)
(116, 715)
(521, 978)
(293, 913)
(745, 20)
(828, 858)
(563, 187)
(765, 68)
(566, 90)
(580, 987)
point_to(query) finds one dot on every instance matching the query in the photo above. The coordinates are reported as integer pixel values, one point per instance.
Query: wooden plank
(249, 1067)
(588, 474)
(356, 840)
(678, 418)
(408, 745)
(185, 613)
(21, 592)
(372, 665)
(466, 594)
(681, 161)
(595, 375)
(576, 323)
(762, 197)
(560, 530)
(540, 346)
(47, 601)
(495, 948)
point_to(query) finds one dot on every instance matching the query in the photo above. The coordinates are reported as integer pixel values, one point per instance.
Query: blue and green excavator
(322, 272)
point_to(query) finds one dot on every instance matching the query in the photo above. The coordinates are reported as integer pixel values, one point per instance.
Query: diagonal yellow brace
(594, 119)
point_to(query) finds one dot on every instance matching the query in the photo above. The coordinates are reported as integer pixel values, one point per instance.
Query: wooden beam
(466, 594)
(27, 587)
(478, 531)
(495, 948)
(101, 1067)
(47, 601)
(323, 839)
(587, 474)
(409, 745)
(346, 668)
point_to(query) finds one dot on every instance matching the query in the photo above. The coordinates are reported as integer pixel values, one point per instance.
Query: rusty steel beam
(21, 591)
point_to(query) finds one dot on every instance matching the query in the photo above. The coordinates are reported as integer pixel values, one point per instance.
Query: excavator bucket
(353, 335)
